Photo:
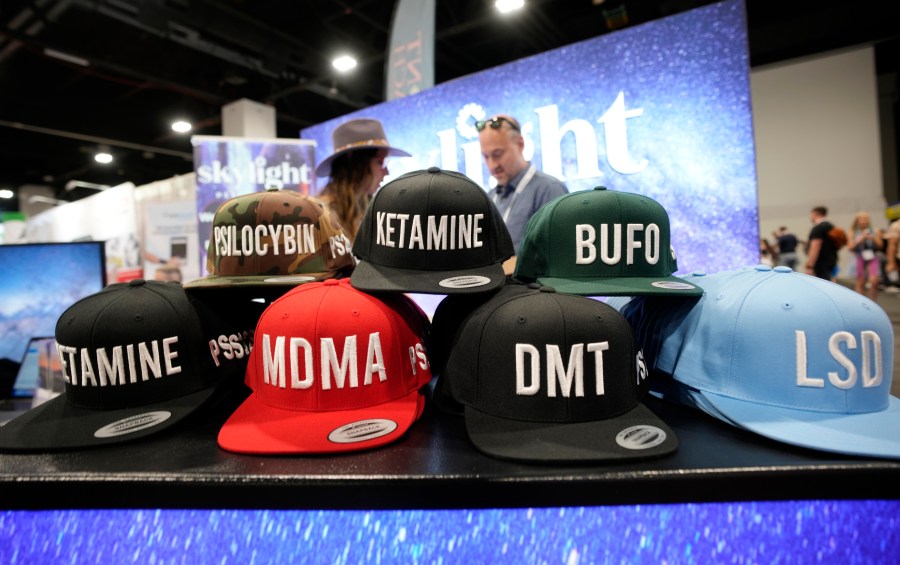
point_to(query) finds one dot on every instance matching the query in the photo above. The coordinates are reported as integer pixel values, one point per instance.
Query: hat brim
(871, 434)
(379, 278)
(637, 434)
(257, 428)
(57, 424)
(323, 169)
(623, 286)
(226, 281)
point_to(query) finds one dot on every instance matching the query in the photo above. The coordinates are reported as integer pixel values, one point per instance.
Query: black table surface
(433, 466)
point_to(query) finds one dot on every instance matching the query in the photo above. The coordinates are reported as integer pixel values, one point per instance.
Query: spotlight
(344, 63)
(103, 158)
(507, 6)
(181, 126)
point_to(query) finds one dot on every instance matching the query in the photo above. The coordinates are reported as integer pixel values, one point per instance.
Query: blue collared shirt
(542, 188)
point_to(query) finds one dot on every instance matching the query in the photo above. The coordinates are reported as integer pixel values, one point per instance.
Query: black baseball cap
(431, 232)
(137, 357)
(553, 377)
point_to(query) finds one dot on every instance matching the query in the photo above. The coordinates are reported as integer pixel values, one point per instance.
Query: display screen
(741, 532)
(661, 109)
(39, 282)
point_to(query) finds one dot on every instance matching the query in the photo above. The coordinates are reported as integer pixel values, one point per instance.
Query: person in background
(786, 247)
(521, 189)
(865, 243)
(821, 254)
(892, 248)
(767, 254)
(168, 272)
(355, 169)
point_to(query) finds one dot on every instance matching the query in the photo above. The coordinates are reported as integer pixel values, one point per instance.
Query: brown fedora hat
(359, 133)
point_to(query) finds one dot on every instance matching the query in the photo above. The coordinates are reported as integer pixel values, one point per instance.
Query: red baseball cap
(332, 369)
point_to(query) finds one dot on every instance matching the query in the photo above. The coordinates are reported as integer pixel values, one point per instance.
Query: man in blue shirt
(521, 189)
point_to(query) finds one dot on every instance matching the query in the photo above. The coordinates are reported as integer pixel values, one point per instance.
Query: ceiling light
(73, 184)
(80, 61)
(181, 126)
(6, 193)
(45, 200)
(507, 6)
(344, 63)
(104, 158)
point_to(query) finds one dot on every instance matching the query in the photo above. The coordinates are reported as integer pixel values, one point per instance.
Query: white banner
(410, 63)
(110, 216)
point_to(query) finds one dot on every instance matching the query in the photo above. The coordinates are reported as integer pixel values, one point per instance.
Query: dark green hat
(601, 243)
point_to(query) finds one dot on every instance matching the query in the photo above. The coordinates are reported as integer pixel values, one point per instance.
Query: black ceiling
(149, 61)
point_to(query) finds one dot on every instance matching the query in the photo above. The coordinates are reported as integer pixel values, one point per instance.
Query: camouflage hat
(276, 237)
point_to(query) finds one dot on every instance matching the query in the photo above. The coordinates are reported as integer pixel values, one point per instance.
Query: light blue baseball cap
(791, 357)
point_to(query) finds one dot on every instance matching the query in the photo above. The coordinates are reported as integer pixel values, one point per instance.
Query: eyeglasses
(496, 122)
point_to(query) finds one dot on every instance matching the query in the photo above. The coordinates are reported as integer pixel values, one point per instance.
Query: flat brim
(57, 424)
(872, 434)
(257, 428)
(637, 434)
(225, 281)
(323, 169)
(623, 286)
(379, 278)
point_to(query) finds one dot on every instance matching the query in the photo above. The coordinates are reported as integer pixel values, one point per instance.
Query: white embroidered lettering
(534, 369)
(119, 365)
(374, 360)
(443, 233)
(331, 367)
(597, 349)
(834, 347)
(570, 377)
(611, 253)
(872, 374)
(870, 371)
(298, 343)
(335, 371)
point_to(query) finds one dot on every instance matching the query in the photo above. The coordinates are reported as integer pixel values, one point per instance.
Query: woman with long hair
(866, 242)
(355, 170)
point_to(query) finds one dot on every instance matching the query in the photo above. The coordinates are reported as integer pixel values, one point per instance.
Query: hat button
(600, 188)
(783, 269)
(136, 282)
(763, 267)
(331, 282)
(434, 169)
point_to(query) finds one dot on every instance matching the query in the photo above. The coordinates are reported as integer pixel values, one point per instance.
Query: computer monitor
(41, 280)
(35, 367)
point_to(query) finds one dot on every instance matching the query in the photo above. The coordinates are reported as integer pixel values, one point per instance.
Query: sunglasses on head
(496, 122)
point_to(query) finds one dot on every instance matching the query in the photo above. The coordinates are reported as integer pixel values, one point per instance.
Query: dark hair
(348, 171)
(820, 210)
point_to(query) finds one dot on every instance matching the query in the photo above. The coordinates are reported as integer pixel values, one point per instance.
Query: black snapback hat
(137, 358)
(432, 232)
(549, 377)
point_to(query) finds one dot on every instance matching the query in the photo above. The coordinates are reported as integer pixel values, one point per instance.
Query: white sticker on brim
(132, 424)
(363, 430)
(466, 281)
(640, 437)
(288, 279)
(672, 285)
